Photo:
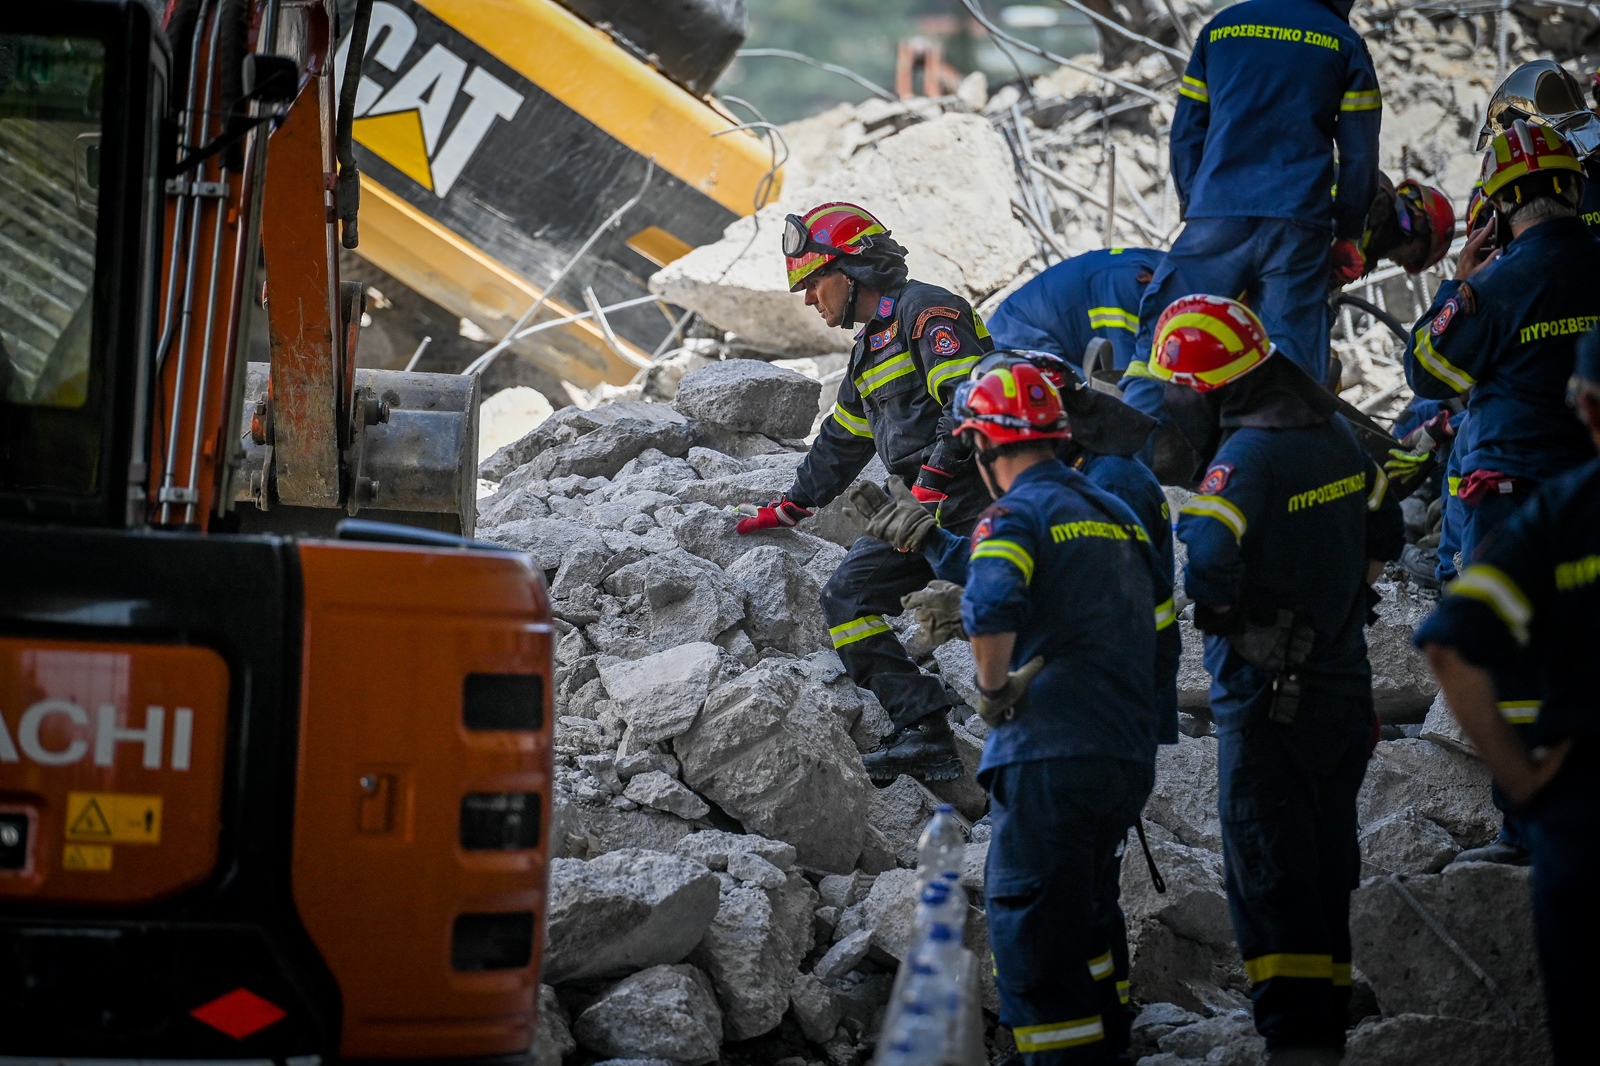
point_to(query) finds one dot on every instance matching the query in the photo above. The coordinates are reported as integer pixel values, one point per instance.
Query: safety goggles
(962, 406)
(797, 240)
(1056, 370)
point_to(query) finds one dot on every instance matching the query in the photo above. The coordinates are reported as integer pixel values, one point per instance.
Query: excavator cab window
(79, 89)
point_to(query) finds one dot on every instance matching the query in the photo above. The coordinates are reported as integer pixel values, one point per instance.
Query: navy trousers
(1563, 829)
(1290, 861)
(865, 588)
(1280, 268)
(1059, 830)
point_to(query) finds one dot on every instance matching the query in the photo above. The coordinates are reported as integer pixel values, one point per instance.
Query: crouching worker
(916, 344)
(1061, 583)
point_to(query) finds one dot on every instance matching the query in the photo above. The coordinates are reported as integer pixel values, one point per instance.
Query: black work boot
(925, 749)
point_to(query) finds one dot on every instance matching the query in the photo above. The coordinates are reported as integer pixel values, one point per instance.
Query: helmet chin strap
(849, 320)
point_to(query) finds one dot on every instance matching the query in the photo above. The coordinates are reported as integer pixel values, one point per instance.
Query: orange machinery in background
(264, 796)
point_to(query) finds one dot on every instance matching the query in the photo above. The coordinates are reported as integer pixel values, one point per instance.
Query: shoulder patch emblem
(942, 340)
(933, 312)
(985, 526)
(1216, 479)
(885, 307)
(882, 338)
(1447, 314)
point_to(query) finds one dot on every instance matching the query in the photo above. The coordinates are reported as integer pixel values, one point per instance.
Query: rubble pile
(728, 884)
(986, 191)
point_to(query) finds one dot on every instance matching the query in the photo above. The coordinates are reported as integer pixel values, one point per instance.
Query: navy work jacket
(1272, 87)
(1091, 295)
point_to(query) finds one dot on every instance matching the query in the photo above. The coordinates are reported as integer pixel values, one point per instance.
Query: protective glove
(903, 520)
(1348, 262)
(779, 514)
(1416, 453)
(931, 484)
(937, 610)
(996, 706)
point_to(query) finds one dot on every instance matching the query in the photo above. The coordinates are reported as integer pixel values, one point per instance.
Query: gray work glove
(897, 516)
(937, 610)
(998, 707)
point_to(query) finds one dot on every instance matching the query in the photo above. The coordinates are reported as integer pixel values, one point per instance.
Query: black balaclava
(879, 263)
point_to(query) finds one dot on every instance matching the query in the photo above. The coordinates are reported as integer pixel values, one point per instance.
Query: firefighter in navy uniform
(1061, 602)
(918, 342)
(1506, 328)
(1091, 295)
(1533, 590)
(1541, 92)
(1291, 685)
(1101, 436)
(1272, 89)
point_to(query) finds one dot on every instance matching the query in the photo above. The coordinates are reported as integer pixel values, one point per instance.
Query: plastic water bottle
(933, 902)
(953, 911)
(941, 846)
(917, 1039)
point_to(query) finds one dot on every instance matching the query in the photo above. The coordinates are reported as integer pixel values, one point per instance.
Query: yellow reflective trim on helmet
(943, 372)
(1204, 323)
(1228, 371)
(857, 426)
(1010, 551)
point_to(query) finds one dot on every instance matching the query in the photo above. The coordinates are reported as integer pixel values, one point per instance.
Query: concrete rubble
(726, 872)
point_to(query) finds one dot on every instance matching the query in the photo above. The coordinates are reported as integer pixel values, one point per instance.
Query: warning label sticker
(113, 818)
(89, 858)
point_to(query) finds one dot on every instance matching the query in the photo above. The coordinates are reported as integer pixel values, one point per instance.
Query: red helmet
(815, 239)
(1426, 211)
(1011, 403)
(1524, 155)
(1475, 209)
(1205, 342)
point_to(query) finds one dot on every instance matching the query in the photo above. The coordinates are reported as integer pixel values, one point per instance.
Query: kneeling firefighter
(1292, 686)
(918, 342)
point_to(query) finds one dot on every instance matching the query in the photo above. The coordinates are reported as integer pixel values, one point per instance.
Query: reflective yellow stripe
(855, 425)
(885, 372)
(1122, 993)
(1138, 369)
(1059, 1034)
(1218, 508)
(1166, 614)
(1113, 318)
(1520, 712)
(1100, 966)
(1455, 486)
(1438, 365)
(1379, 487)
(1266, 967)
(1341, 975)
(978, 326)
(1362, 100)
(858, 629)
(1195, 89)
(943, 372)
(1010, 551)
(1490, 585)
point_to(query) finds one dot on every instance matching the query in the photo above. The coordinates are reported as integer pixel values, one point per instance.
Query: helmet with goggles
(814, 240)
(1542, 93)
(1011, 402)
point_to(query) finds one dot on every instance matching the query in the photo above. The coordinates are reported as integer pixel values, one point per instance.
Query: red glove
(1348, 262)
(931, 483)
(779, 514)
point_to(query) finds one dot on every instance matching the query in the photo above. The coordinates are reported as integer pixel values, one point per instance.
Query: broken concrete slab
(815, 1007)
(1443, 786)
(1195, 904)
(780, 600)
(1440, 727)
(749, 396)
(623, 911)
(752, 950)
(1184, 800)
(655, 789)
(717, 848)
(1407, 1039)
(844, 956)
(665, 1011)
(552, 1037)
(1486, 909)
(659, 696)
(770, 753)
(1405, 843)
(900, 811)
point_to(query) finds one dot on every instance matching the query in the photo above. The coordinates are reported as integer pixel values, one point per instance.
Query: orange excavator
(274, 730)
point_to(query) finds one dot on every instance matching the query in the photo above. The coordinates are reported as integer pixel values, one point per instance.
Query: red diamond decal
(239, 1013)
